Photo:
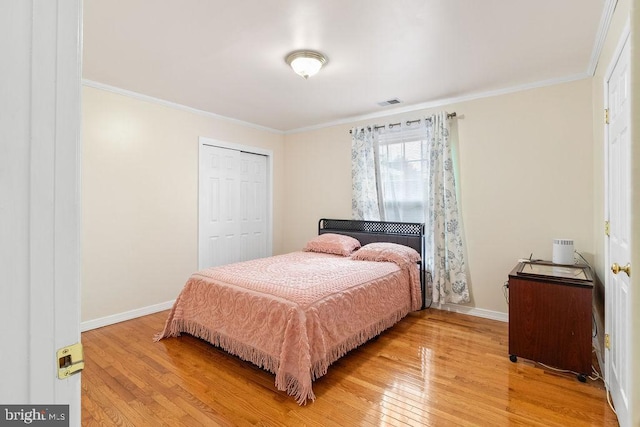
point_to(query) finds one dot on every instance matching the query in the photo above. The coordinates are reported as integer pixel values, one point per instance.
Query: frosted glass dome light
(306, 63)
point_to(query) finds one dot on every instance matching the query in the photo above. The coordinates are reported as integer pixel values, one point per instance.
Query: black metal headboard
(404, 233)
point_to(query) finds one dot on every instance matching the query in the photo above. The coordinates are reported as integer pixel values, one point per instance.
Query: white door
(39, 200)
(618, 281)
(253, 204)
(219, 222)
(232, 206)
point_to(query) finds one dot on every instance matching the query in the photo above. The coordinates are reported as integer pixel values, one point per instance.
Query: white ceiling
(227, 56)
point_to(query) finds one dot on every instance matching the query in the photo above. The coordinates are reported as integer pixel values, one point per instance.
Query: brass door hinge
(606, 116)
(607, 228)
(70, 360)
(607, 341)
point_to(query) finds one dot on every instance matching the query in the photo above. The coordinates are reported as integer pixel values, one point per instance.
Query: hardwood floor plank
(433, 368)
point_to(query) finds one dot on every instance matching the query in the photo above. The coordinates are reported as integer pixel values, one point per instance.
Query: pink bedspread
(294, 314)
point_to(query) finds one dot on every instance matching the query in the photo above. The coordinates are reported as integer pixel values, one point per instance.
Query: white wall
(139, 198)
(526, 177)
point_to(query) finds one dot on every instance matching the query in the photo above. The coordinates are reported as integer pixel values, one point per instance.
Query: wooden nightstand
(550, 315)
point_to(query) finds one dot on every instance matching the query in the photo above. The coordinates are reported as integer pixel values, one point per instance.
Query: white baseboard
(473, 311)
(139, 312)
(127, 315)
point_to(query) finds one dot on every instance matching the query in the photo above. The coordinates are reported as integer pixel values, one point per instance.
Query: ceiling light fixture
(306, 62)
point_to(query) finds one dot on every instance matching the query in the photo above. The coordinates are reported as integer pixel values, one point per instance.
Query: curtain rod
(449, 116)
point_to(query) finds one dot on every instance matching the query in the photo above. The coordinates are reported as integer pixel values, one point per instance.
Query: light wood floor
(432, 368)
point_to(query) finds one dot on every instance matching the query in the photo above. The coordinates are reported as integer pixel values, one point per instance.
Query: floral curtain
(444, 250)
(444, 244)
(364, 200)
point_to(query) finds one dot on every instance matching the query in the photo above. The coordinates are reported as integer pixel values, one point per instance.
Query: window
(404, 174)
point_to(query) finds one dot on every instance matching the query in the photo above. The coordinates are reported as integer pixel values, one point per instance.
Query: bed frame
(404, 233)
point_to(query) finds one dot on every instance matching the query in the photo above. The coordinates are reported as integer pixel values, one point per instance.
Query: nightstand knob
(617, 268)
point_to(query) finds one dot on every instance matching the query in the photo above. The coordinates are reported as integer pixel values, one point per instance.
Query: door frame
(202, 141)
(625, 37)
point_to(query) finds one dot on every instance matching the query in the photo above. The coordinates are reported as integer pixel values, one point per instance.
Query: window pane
(413, 150)
(403, 173)
(395, 153)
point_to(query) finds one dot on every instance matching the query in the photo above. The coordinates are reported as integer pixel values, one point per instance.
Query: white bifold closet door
(232, 206)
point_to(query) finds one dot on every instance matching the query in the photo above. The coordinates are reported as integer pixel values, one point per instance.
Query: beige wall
(520, 155)
(139, 198)
(318, 182)
(526, 172)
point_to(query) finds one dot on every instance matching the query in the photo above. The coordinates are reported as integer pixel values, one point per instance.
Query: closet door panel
(253, 182)
(219, 225)
(232, 206)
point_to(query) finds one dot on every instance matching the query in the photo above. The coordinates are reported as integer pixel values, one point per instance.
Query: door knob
(618, 268)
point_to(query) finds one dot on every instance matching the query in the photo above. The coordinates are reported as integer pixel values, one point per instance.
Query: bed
(295, 314)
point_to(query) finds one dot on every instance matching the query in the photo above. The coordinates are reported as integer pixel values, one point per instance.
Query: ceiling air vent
(389, 102)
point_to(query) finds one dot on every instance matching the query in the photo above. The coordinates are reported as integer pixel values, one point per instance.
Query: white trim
(473, 311)
(127, 315)
(348, 120)
(145, 311)
(601, 36)
(147, 98)
(444, 102)
(156, 308)
(624, 37)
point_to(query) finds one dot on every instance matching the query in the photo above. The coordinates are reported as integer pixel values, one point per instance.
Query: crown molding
(348, 120)
(443, 102)
(101, 86)
(601, 36)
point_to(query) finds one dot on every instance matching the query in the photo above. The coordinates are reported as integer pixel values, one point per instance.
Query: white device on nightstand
(563, 251)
